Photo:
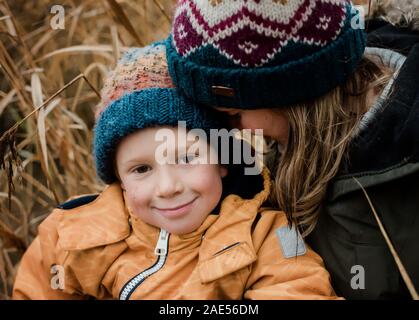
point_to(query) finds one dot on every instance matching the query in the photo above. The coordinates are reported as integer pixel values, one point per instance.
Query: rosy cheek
(209, 181)
(247, 123)
(135, 198)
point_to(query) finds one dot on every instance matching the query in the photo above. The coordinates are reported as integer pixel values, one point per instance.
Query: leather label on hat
(223, 91)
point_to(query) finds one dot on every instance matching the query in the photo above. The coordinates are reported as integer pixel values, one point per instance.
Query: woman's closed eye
(189, 158)
(235, 118)
(234, 114)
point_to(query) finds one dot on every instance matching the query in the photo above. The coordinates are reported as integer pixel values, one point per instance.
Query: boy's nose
(169, 184)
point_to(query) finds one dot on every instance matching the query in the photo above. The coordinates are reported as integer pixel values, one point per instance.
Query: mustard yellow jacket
(99, 250)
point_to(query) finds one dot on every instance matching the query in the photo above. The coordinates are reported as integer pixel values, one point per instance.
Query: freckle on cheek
(132, 198)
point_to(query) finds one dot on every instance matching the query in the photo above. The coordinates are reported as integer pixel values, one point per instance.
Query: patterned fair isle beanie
(253, 54)
(138, 94)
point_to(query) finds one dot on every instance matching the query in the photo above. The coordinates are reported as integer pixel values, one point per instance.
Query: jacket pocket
(226, 261)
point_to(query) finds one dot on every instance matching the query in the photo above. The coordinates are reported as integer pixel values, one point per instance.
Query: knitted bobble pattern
(139, 68)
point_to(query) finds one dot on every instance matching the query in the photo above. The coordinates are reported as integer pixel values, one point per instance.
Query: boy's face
(174, 196)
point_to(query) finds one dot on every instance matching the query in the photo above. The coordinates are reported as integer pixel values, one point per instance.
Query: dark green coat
(385, 160)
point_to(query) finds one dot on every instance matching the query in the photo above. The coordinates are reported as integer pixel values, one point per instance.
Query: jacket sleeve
(273, 276)
(36, 278)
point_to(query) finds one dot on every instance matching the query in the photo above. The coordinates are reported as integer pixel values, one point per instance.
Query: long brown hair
(319, 135)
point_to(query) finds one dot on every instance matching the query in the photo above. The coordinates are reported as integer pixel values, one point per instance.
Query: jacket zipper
(161, 252)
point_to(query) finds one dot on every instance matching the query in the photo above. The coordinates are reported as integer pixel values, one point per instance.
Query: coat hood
(393, 137)
(107, 220)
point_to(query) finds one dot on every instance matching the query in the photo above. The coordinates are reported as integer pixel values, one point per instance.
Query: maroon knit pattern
(255, 31)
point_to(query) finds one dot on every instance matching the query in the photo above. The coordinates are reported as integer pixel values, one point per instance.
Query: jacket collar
(101, 222)
(147, 235)
(228, 238)
(234, 211)
(228, 244)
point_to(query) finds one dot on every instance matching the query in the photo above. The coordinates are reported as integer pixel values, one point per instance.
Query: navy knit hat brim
(138, 110)
(269, 87)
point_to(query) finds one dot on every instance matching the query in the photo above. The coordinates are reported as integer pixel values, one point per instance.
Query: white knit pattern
(217, 11)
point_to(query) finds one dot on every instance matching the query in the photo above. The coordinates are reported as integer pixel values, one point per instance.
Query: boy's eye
(142, 169)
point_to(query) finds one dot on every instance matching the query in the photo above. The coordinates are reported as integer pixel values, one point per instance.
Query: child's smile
(175, 211)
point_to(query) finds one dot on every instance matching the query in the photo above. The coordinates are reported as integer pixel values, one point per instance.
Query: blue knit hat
(262, 53)
(139, 94)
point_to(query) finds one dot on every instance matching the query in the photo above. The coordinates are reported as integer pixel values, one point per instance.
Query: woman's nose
(169, 183)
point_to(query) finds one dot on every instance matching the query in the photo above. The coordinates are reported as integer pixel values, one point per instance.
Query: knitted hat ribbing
(262, 53)
(139, 94)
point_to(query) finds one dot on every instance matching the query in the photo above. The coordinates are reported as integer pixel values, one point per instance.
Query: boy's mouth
(177, 210)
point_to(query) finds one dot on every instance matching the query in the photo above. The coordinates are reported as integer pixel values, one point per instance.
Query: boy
(165, 230)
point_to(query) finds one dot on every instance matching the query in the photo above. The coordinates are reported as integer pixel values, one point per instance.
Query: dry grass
(48, 91)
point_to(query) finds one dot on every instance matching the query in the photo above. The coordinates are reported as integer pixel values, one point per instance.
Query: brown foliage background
(45, 152)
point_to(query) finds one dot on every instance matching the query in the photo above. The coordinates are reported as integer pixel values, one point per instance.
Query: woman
(343, 117)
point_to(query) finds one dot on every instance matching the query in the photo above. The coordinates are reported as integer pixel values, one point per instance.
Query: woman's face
(273, 122)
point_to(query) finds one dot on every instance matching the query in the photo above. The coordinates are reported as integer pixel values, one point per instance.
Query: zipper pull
(162, 243)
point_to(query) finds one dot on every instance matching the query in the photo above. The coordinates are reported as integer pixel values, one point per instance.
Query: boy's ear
(223, 171)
